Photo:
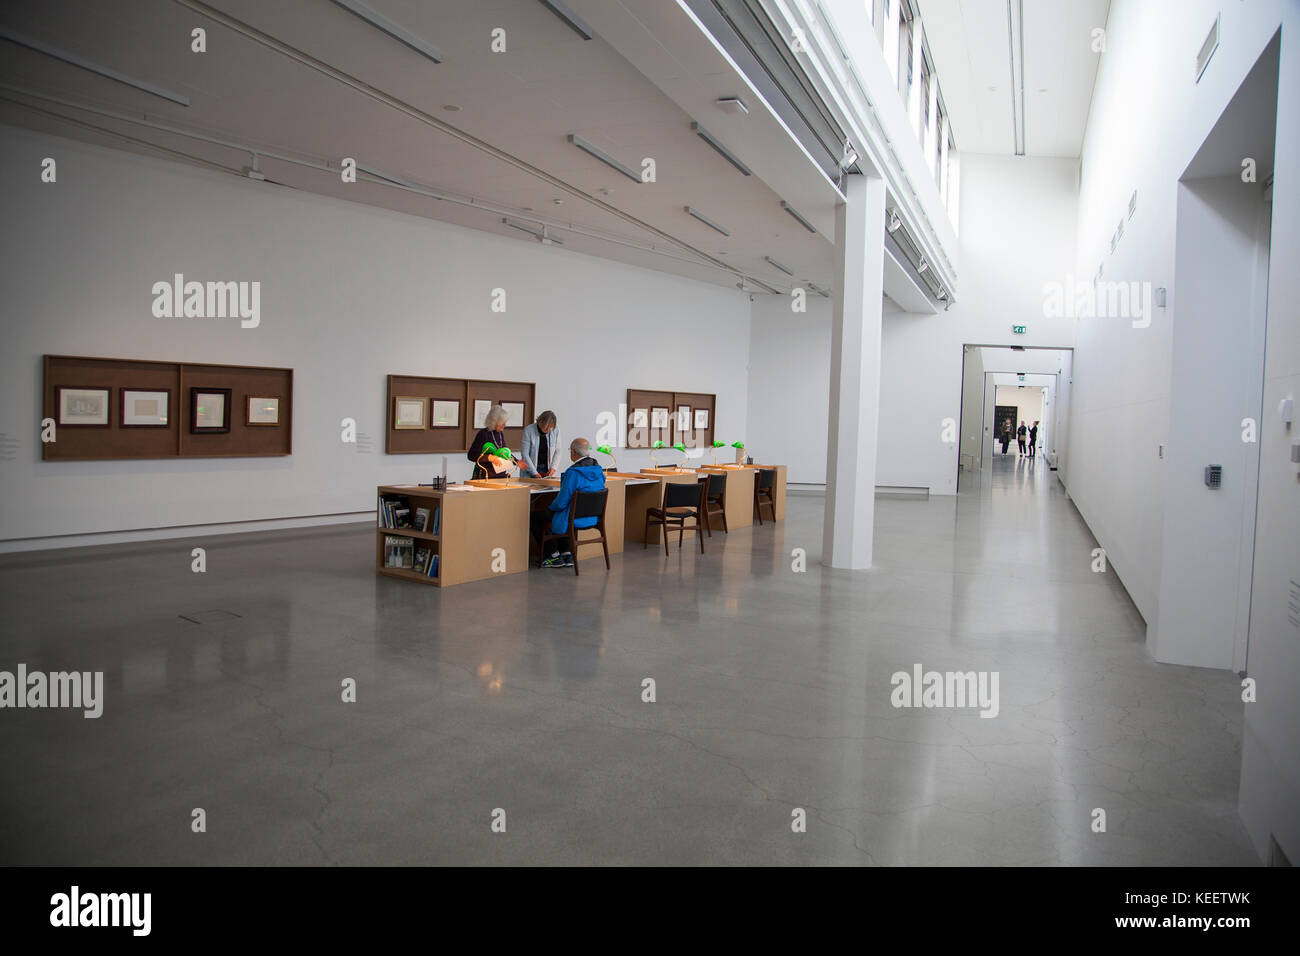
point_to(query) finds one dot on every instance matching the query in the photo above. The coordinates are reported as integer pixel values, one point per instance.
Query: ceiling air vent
(1207, 49)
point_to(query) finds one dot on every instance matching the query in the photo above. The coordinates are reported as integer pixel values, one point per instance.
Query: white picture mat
(481, 407)
(683, 418)
(514, 414)
(446, 413)
(210, 410)
(701, 418)
(640, 418)
(83, 406)
(658, 418)
(143, 407)
(263, 410)
(410, 411)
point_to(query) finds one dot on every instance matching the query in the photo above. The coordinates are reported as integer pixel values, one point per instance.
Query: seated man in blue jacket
(585, 474)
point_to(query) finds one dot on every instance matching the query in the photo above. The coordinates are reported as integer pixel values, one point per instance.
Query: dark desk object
(765, 493)
(680, 502)
(715, 501)
(585, 504)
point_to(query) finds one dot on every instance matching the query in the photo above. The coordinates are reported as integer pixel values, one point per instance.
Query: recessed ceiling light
(733, 104)
(558, 202)
(93, 67)
(528, 209)
(394, 30)
(451, 107)
(993, 89)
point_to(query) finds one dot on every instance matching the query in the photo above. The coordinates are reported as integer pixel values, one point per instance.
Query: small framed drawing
(145, 407)
(481, 408)
(640, 418)
(209, 411)
(263, 410)
(446, 414)
(408, 411)
(514, 414)
(701, 418)
(683, 418)
(82, 407)
(658, 417)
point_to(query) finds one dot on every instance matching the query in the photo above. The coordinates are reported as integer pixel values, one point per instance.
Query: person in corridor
(1033, 438)
(1006, 436)
(1020, 437)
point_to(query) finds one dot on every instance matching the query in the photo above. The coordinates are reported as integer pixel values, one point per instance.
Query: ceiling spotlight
(541, 235)
(604, 157)
(943, 293)
(894, 222)
(772, 262)
(733, 104)
(802, 221)
(923, 266)
(849, 158)
(569, 17)
(707, 221)
(92, 66)
(722, 151)
(394, 30)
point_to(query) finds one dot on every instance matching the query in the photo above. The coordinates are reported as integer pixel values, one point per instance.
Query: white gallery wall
(1018, 218)
(972, 410)
(1149, 117)
(349, 294)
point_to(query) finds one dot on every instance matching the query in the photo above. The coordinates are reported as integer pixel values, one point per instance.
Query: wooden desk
(740, 495)
(544, 489)
(646, 490)
(475, 521)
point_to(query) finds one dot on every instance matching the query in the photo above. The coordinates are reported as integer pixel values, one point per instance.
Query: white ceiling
(971, 50)
(519, 105)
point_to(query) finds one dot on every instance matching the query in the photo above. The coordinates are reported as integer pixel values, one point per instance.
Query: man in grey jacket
(541, 447)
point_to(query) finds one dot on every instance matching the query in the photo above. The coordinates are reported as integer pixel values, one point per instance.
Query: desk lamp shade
(655, 446)
(716, 445)
(490, 448)
(739, 446)
(606, 450)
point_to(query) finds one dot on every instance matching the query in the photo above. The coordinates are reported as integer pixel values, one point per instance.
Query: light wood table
(740, 495)
(544, 488)
(475, 521)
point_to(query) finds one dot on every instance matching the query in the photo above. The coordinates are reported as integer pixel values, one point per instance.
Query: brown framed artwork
(153, 401)
(451, 407)
(145, 407)
(210, 411)
(262, 411)
(83, 406)
(410, 412)
(670, 417)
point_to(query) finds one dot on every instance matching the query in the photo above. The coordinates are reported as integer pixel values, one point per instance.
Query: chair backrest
(681, 495)
(766, 478)
(590, 504)
(717, 483)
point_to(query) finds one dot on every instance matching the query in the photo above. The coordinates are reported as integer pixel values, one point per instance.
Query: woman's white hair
(496, 416)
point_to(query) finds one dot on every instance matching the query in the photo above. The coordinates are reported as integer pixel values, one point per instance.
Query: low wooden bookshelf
(472, 524)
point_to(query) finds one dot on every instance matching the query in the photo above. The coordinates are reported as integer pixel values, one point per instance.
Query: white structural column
(855, 375)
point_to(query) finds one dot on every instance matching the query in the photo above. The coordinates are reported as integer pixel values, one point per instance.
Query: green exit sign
(1018, 329)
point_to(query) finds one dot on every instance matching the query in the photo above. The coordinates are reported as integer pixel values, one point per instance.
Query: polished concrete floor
(525, 695)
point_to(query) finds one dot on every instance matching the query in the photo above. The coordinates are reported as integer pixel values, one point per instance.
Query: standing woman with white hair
(490, 465)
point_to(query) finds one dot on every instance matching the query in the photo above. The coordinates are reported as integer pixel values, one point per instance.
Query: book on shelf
(422, 519)
(422, 560)
(433, 566)
(437, 521)
(394, 512)
(398, 552)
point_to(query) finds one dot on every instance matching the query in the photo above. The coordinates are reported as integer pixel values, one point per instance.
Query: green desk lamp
(654, 447)
(716, 445)
(490, 449)
(739, 446)
(681, 448)
(606, 450)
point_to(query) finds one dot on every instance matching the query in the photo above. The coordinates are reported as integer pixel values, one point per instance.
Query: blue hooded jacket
(582, 475)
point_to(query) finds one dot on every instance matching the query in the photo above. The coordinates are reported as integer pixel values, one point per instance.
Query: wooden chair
(765, 493)
(585, 504)
(681, 501)
(715, 501)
